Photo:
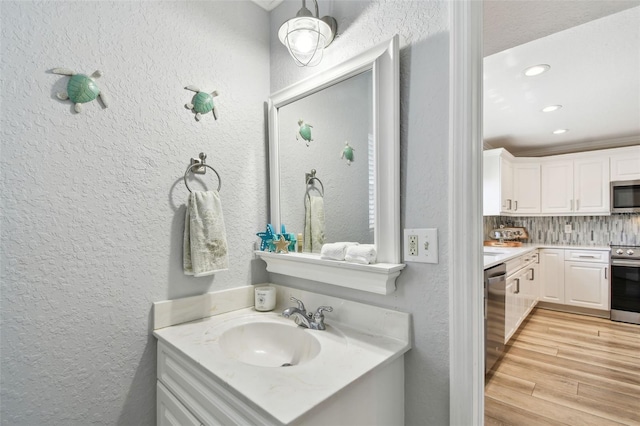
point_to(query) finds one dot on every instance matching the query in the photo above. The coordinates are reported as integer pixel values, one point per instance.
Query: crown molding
(576, 147)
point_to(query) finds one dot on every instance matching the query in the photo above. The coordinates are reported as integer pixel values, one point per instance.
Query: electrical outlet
(413, 245)
(421, 245)
(567, 229)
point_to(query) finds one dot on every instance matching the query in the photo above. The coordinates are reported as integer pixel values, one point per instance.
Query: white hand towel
(335, 251)
(313, 224)
(363, 253)
(205, 239)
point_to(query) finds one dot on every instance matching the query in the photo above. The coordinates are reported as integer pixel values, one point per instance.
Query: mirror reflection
(331, 132)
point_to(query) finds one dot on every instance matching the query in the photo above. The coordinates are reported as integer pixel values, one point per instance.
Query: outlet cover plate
(421, 245)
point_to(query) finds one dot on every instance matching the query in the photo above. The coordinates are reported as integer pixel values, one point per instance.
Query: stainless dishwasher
(495, 280)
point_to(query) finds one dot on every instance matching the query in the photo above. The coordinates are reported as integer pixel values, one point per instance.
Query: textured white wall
(92, 203)
(424, 78)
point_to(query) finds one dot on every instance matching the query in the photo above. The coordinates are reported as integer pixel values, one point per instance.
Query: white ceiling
(595, 73)
(267, 5)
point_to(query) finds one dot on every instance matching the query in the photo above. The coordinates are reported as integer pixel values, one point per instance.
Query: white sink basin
(269, 344)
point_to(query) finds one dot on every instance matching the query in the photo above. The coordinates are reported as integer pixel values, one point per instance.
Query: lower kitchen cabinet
(575, 278)
(521, 292)
(552, 275)
(586, 284)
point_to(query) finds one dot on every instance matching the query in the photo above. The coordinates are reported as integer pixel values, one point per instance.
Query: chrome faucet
(306, 319)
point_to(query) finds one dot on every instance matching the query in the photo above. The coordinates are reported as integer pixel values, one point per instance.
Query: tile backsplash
(622, 229)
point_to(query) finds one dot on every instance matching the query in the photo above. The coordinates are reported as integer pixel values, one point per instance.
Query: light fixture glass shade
(305, 37)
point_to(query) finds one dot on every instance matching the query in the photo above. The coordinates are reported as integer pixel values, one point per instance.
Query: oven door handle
(622, 262)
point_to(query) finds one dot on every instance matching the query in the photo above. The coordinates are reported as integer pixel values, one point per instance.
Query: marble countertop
(287, 393)
(504, 254)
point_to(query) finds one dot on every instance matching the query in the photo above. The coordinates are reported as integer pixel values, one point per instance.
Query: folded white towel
(313, 223)
(363, 253)
(205, 240)
(335, 251)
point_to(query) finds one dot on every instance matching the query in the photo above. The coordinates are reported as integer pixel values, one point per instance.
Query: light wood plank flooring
(568, 369)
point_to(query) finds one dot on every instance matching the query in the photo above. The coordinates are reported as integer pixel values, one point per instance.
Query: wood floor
(567, 369)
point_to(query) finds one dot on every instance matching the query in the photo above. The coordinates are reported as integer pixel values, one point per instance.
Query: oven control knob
(619, 251)
(630, 252)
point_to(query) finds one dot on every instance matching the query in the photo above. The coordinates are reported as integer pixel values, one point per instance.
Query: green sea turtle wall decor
(81, 88)
(347, 153)
(202, 102)
(304, 131)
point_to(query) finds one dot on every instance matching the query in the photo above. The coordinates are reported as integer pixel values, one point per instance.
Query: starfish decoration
(266, 237)
(282, 245)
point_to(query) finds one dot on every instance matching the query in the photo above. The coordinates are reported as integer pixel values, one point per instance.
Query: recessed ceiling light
(536, 70)
(551, 108)
(560, 131)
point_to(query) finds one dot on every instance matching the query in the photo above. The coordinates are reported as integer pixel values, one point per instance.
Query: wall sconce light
(306, 35)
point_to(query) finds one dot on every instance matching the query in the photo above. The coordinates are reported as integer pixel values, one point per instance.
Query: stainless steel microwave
(625, 196)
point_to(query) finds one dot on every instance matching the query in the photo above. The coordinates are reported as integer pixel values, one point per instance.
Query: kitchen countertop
(508, 253)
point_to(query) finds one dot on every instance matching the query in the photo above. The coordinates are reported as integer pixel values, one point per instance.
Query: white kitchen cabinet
(552, 275)
(170, 411)
(575, 277)
(626, 164)
(526, 188)
(591, 187)
(575, 186)
(497, 182)
(586, 284)
(556, 192)
(521, 294)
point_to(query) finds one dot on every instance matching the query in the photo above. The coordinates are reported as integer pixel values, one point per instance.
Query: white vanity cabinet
(170, 411)
(575, 186)
(236, 366)
(575, 277)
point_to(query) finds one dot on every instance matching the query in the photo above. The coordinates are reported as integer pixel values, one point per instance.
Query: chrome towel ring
(198, 164)
(310, 177)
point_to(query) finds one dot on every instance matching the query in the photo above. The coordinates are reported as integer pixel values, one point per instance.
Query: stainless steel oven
(625, 284)
(625, 196)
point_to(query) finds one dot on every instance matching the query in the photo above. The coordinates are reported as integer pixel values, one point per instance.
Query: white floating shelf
(377, 278)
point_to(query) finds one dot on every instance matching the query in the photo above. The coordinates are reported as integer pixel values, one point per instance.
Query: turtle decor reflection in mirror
(202, 103)
(304, 131)
(81, 88)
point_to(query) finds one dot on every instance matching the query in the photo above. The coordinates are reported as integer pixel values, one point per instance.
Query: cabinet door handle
(533, 274)
(516, 208)
(517, 286)
(571, 205)
(605, 272)
(587, 257)
(509, 204)
(577, 204)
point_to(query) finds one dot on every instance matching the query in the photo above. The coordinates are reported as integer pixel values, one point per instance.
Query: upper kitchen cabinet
(574, 186)
(526, 188)
(497, 172)
(626, 164)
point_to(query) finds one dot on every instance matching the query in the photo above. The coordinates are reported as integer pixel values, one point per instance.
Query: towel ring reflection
(201, 165)
(310, 177)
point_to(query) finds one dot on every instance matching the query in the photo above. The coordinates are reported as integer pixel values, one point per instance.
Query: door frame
(466, 294)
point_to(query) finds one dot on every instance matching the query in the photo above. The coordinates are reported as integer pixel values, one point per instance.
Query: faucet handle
(299, 302)
(320, 310)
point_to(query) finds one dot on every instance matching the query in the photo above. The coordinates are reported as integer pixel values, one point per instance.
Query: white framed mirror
(357, 102)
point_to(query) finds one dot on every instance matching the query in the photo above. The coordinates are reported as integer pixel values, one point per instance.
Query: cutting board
(505, 244)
